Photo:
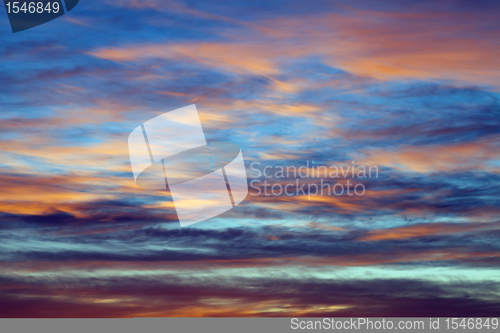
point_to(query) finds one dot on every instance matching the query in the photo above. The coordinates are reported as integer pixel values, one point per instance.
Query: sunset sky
(411, 87)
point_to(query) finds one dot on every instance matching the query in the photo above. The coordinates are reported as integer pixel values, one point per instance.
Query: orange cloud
(422, 230)
(464, 156)
(35, 194)
(345, 204)
(426, 45)
(234, 57)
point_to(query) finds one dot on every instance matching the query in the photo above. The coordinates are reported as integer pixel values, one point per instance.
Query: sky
(410, 88)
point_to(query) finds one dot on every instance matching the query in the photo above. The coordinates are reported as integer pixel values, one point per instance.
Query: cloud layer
(410, 88)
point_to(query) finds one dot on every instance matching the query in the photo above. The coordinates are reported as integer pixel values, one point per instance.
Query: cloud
(421, 45)
(465, 156)
(402, 86)
(423, 230)
(172, 296)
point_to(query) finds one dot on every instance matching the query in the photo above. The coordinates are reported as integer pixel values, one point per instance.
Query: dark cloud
(356, 298)
(326, 83)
